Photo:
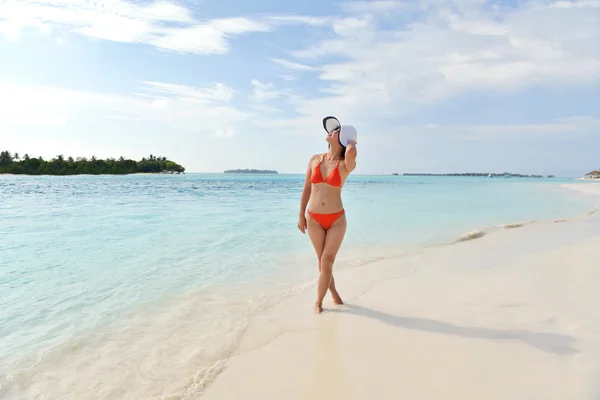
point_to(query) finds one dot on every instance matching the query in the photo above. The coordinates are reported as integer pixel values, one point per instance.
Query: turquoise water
(89, 264)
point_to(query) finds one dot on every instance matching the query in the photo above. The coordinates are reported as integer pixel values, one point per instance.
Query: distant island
(26, 165)
(250, 171)
(478, 174)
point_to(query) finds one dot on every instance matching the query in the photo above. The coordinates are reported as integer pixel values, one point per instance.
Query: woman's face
(333, 136)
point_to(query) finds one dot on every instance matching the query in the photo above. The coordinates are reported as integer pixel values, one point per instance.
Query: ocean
(139, 286)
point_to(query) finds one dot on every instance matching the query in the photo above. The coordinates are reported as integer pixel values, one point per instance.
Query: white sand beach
(510, 315)
(590, 187)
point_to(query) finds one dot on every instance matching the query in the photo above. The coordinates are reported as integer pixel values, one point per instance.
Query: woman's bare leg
(333, 241)
(317, 236)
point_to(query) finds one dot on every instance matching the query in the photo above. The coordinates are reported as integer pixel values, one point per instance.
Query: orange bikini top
(334, 178)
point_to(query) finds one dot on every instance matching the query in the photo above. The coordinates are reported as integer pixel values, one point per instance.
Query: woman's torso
(326, 191)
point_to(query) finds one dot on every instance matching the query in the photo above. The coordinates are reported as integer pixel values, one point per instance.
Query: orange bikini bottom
(326, 220)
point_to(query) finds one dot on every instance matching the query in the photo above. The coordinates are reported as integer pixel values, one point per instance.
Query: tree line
(59, 165)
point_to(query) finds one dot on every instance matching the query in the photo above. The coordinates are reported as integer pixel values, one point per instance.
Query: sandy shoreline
(508, 315)
(591, 189)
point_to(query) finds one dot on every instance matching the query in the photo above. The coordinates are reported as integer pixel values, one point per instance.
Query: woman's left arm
(351, 156)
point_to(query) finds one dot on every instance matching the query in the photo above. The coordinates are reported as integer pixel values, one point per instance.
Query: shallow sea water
(139, 286)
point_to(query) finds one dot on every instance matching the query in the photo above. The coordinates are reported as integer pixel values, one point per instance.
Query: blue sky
(431, 85)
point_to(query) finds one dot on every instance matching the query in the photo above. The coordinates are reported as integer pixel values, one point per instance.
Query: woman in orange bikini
(326, 219)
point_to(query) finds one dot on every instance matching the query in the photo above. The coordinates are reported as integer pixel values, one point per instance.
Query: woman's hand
(302, 223)
(305, 196)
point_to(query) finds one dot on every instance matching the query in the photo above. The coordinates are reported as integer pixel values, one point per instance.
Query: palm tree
(26, 157)
(17, 158)
(5, 158)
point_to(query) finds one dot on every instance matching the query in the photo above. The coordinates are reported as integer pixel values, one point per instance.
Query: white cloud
(264, 91)
(161, 24)
(263, 99)
(452, 48)
(298, 126)
(218, 92)
(45, 106)
(298, 19)
(190, 108)
(225, 133)
(293, 65)
(206, 38)
(579, 125)
(199, 114)
(63, 39)
(181, 107)
(378, 70)
(264, 108)
(353, 26)
(576, 4)
(288, 77)
(374, 7)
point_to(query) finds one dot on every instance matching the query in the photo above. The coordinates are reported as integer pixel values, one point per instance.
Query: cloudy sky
(431, 85)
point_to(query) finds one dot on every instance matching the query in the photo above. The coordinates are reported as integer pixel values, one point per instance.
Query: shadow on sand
(552, 343)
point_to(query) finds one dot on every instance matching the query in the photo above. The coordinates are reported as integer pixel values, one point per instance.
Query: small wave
(263, 301)
(203, 378)
(481, 232)
(476, 234)
(513, 226)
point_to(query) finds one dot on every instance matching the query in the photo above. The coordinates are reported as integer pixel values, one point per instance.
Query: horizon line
(410, 174)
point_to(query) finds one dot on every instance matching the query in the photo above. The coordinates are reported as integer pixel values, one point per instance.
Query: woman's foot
(318, 308)
(336, 298)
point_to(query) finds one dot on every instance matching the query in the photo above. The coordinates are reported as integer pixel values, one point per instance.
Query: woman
(326, 219)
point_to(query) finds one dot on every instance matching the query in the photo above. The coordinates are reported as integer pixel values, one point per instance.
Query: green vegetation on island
(250, 171)
(14, 164)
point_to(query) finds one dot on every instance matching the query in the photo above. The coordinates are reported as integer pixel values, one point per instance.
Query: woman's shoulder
(316, 157)
(313, 161)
